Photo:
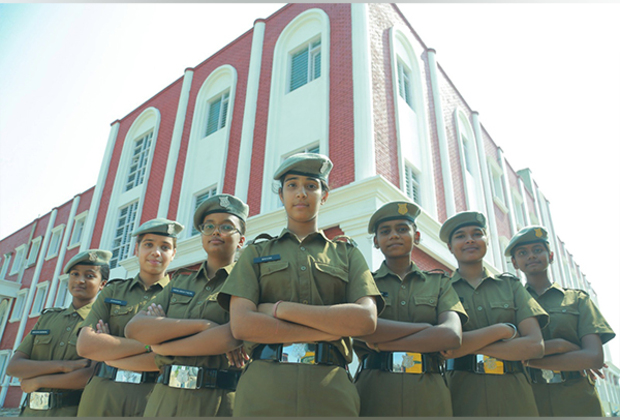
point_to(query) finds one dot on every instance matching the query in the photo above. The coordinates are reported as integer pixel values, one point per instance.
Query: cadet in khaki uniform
(485, 375)
(300, 288)
(127, 372)
(50, 369)
(401, 366)
(196, 380)
(574, 337)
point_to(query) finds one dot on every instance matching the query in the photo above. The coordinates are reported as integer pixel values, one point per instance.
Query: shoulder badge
(114, 281)
(508, 276)
(437, 271)
(261, 238)
(577, 290)
(55, 309)
(346, 239)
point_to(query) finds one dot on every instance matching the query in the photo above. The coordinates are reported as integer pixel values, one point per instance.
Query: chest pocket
(276, 281)
(425, 309)
(564, 323)
(331, 282)
(119, 310)
(43, 340)
(503, 311)
(179, 305)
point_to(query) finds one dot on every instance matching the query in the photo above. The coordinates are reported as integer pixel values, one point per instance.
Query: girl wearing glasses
(186, 328)
(295, 300)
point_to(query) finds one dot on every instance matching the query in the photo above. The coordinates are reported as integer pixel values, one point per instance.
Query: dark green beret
(221, 203)
(313, 165)
(392, 211)
(464, 218)
(527, 235)
(90, 257)
(160, 226)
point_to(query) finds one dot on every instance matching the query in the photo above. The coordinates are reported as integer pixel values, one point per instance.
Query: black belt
(194, 377)
(58, 399)
(477, 363)
(126, 376)
(321, 354)
(403, 362)
(540, 376)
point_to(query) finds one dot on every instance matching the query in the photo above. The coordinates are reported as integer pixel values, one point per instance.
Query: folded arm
(144, 362)
(22, 367)
(473, 341)
(530, 344)
(589, 356)
(155, 330)
(76, 379)
(102, 346)
(212, 341)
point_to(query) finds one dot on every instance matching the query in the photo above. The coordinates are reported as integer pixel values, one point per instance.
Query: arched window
(469, 162)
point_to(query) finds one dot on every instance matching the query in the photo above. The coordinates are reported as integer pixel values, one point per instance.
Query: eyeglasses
(224, 229)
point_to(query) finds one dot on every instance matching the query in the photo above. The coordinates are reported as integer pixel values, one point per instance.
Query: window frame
(313, 47)
(496, 176)
(128, 229)
(81, 218)
(5, 265)
(20, 254)
(22, 294)
(38, 303)
(519, 209)
(63, 282)
(32, 257)
(222, 119)
(56, 232)
(143, 157)
(212, 191)
(405, 82)
(413, 181)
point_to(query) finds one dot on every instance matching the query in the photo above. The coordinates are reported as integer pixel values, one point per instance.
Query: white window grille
(139, 161)
(305, 65)
(122, 236)
(19, 258)
(199, 200)
(404, 83)
(218, 110)
(39, 299)
(5, 266)
(52, 251)
(412, 184)
(34, 251)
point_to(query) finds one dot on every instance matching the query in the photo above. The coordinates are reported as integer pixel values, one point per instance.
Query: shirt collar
(227, 269)
(554, 286)
(287, 232)
(161, 283)
(384, 271)
(82, 312)
(456, 276)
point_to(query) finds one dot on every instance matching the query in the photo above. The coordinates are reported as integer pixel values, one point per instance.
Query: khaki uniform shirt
(419, 297)
(315, 271)
(572, 316)
(54, 337)
(191, 295)
(116, 304)
(497, 299)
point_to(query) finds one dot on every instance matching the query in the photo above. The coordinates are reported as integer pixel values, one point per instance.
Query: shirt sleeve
(242, 280)
(449, 300)
(100, 309)
(527, 306)
(361, 282)
(591, 320)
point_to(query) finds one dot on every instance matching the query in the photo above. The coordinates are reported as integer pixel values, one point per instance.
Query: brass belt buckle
(40, 400)
(552, 377)
(128, 376)
(406, 362)
(185, 377)
(488, 365)
(298, 353)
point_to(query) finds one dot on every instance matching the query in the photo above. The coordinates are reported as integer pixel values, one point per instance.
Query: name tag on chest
(40, 332)
(266, 258)
(116, 301)
(183, 292)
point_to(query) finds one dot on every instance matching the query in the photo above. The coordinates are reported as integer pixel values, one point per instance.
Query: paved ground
(9, 412)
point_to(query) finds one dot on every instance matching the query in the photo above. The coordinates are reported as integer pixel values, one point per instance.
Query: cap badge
(538, 232)
(402, 208)
(224, 202)
(170, 229)
(480, 218)
(324, 167)
(92, 256)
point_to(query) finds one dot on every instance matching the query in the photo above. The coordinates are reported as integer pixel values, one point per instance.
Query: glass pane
(299, 69)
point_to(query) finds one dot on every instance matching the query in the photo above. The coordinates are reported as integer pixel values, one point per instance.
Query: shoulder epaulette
(54, 309)
(346, 239)
(114, 280)
(261, 237)
(577, 290)
(508, 276)
(437, 271)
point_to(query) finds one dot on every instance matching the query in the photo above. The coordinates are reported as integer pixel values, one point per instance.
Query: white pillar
(444, 150)
(488, 193)
(508, 192)
(175, 145)
(363, 122)
(93, 210)
(244, 166)
(61, 253)
(526, 206)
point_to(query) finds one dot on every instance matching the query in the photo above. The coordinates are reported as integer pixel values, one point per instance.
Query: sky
(544, 78)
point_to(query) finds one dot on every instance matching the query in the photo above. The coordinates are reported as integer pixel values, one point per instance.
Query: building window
(52, 251)
(518, 207)
(218, 110)
(5, 356)
(39, 299)
(122, 236)
(19, 258)
(18, 308)
(497, 184)
(78, 229)
(63, 297)
(139, 161)
(199, 200)
(404, 84)
(305, 65)
(412, 184)
(469, 157)
(34, 251)
(5, 266)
